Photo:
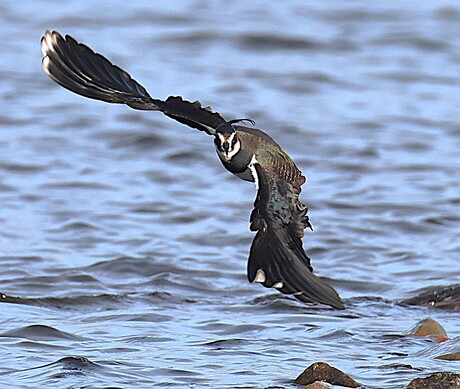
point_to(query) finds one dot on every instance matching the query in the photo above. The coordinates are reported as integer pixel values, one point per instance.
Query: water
(124, 242)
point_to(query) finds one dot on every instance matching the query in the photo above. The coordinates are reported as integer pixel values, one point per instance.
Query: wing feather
(277, 252)
(79, 69)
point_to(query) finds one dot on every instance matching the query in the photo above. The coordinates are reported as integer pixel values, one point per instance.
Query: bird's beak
(226, 146)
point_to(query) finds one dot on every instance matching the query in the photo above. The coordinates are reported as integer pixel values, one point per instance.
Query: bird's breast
(239, 165)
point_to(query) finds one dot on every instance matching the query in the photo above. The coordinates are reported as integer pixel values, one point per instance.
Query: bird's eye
(234, 140)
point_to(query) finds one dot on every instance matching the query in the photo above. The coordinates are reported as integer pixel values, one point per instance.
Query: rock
(449, 351)
(440, 380)
(450, 357)
(319, 385)
(321, 371)
(429, 327)
(447, 297)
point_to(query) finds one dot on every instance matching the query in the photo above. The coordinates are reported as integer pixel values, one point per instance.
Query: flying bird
(277, 258)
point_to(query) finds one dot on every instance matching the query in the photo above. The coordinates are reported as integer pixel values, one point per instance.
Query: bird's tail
(78, 68)
(277, 261)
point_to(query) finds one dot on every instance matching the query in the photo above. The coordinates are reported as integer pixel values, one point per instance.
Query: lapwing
(277, 258)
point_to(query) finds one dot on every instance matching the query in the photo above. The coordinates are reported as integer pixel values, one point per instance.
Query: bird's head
(226, 139)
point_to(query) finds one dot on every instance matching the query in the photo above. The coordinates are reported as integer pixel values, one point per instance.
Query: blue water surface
(124, 242)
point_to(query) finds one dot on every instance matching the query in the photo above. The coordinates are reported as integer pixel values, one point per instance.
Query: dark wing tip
(78, 68)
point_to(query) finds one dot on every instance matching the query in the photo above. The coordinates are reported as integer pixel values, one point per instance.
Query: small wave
(77, 185)
(40, 332)
(21, 168)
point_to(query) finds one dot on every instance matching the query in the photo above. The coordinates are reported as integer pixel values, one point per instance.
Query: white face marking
(231, 137)
(260, 276)
(221, 138)
(254, 171)
(232, 149)
(278, 285)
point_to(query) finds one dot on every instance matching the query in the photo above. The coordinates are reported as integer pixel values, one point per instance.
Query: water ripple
(124, 243)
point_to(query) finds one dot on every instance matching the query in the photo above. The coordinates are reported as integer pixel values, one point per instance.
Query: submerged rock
(321, 371)
(447, 297)
(450, 356)
(440, 380)
(429, 327)
(449, 351)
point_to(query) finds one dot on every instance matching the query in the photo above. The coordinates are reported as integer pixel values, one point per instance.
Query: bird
(276, 257)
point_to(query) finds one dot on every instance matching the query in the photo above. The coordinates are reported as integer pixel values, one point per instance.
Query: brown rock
(450, 357)
(440, 380)
(321, 371)
(431, 328)
(319, 385)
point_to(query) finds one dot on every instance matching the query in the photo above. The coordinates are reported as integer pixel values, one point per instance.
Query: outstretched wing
(277, 259)
(76, 67)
